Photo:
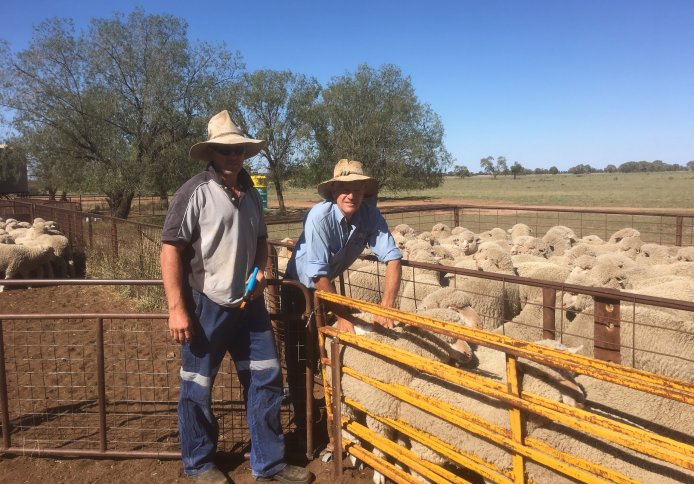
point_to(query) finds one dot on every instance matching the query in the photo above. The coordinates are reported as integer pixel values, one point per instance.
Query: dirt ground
(75, 299)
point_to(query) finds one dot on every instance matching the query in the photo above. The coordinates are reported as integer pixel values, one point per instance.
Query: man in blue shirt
(336, 231)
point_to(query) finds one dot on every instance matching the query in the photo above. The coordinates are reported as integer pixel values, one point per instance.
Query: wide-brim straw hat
(221, 130)
(348, 171)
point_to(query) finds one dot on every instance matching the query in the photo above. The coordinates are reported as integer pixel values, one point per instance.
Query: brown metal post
(91, 231)
(114, 239)
(607, 321)
(456, 217)
(101, 383)
(549, 303)
(678, 231)
(337, 408)
(4, 403)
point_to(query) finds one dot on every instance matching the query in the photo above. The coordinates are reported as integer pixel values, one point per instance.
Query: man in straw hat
(336, 231)
(213, 237)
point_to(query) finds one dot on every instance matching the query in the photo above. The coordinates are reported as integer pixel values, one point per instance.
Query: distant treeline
(580, 169)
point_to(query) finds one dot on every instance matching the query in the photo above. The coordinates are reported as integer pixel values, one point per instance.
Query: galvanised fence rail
(106, 384)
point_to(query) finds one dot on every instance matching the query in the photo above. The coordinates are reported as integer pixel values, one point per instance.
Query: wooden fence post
(606, 342)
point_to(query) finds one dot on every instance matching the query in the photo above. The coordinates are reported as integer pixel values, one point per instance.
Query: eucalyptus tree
(117, 104)
(274, 106)
(374, 116)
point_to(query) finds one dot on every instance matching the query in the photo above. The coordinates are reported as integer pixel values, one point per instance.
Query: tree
(374, 116)
(118, 104)
(553, 170)
(517, 169)
(461, 171)
(581, 169)
(274, 106)
(610, 168)
(690, 165)
(493, 168)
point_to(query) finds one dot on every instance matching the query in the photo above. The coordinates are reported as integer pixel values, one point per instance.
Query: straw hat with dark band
(222, 131)
(348, 171)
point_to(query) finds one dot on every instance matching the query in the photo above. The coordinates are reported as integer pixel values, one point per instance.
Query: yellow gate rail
(637, 439)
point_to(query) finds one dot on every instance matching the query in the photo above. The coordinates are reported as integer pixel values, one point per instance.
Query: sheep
(535, 378)
(441, 230)
(519, 230)
(526, 244)
(414, 340)
(494, 301)
(20, 262)
(686, 254)
(418, 283)
(404, 229)
(627, 462)
(630, 246)
(662, 341)
(560, 238)
(493, 234)
(616, 237)
(465, 239)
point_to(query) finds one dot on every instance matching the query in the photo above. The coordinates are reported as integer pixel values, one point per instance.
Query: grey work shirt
(220, 234)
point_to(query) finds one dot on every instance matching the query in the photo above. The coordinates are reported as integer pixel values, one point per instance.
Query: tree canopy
(374, 116)
(274, 106)
(494, 168)
(116, 107)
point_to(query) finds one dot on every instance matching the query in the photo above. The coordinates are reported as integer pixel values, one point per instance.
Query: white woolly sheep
(495, 301)
(535, 378)
(20, 262)
(415, 340)
(520, 230)
(560, 238)
(616, 237)
(527, 244)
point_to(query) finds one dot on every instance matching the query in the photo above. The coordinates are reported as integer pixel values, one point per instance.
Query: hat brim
(205, 149)
(370, 185)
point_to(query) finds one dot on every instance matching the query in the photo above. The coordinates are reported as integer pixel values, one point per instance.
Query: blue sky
(542, 82)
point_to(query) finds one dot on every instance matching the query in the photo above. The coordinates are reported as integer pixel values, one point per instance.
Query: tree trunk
(119, 203)
(280, 198)
(51, 193)
(276, 178)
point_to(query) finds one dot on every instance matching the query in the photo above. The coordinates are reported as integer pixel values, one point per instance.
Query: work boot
(210, 476)
(289, 475)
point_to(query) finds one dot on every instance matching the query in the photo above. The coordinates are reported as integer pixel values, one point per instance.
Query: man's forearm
(172, 276)
(261, 253)
(392, 283)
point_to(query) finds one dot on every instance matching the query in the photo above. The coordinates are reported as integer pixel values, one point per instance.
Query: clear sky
(542, 82)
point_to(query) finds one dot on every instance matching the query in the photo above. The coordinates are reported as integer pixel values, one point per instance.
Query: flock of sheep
(655, 339)
(34, 251)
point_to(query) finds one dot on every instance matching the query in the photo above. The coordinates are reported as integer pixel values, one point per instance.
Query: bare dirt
(24, 469)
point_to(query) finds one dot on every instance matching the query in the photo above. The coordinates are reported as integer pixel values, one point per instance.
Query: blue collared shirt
(329, 244)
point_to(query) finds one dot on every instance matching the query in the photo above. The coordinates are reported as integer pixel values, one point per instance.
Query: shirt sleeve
(317, 259)
(182, 218)
(381, 241)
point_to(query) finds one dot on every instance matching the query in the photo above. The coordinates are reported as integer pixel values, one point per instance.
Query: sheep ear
(471, 317)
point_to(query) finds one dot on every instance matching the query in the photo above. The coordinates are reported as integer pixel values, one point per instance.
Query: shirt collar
(339, 217)
(244, 178)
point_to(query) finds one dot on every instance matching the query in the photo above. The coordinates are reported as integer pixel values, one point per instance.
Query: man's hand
(383, 321)
(345, 325)
(260, 285)
(180, 327)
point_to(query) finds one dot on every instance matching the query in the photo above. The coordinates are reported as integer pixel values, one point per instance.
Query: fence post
(114, 239)
(337, 408)
(678, 231)
(91, 232)
(101, 383)
(456, 217)
(549, 303)
(606, 342)
(4, 403)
